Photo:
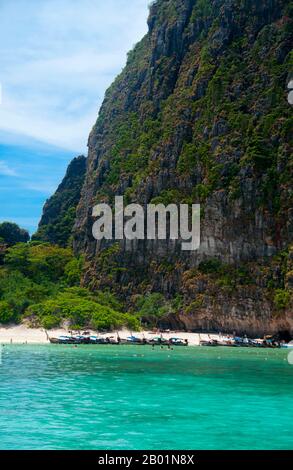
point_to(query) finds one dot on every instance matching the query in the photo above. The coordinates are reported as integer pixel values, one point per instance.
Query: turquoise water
(133, 397)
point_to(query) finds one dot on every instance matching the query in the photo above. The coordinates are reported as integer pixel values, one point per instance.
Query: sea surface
(133, 397)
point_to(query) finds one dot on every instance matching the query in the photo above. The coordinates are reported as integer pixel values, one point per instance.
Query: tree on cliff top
(11, 234)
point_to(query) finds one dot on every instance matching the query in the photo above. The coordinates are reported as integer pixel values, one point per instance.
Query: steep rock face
(200, 114)
(59, 211)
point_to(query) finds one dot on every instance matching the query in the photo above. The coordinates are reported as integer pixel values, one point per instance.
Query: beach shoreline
(22, 334)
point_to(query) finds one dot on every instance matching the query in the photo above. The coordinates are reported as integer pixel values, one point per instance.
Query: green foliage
(11, 233)
(216, 89)
(154, 307)
(60, 231)
(39, 261)
(73, 271)
(168, 196)
(281, 299)
(177, 302)
(20, 291)
(187, 159)
(6, 312)
(210, 266)
(203, 8)
(201, 192)
(195, 305)
(260, 153)
(131, 147)
(81, 310)
(41, 281)
(107, 258)
(108, 299)
(287, 128)
(17, 257)
(232, 278)
(50, 321)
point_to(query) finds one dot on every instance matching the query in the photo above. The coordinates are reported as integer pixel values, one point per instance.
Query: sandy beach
(21, 334)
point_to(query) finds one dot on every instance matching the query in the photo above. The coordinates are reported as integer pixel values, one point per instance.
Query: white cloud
(6, 170)
(46, 188)
(57, 58)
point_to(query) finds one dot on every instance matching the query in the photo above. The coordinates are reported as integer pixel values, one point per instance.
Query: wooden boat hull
(54, 341)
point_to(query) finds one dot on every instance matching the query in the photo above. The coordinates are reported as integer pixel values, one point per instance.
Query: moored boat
(54, 340)
(237, 341)
(178, 342)
(209, 343)
(134, 340)
(158, 341)
(287, 345)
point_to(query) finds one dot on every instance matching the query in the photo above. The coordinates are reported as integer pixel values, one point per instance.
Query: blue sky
(57, 57)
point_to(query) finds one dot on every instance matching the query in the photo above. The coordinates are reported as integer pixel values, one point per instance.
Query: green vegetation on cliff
(209, 104)
(59, 211)
(199, 114)
(40, 282)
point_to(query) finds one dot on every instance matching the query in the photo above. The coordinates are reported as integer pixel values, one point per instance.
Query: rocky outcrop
(200, 114)
(60, 210)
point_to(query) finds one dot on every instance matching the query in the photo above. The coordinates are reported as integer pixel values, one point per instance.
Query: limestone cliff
(200, 114)
(59, 211)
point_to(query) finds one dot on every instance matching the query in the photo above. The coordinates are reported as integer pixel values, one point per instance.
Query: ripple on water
(99, 398)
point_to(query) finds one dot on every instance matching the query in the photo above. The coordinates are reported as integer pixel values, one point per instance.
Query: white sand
(21, 334)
